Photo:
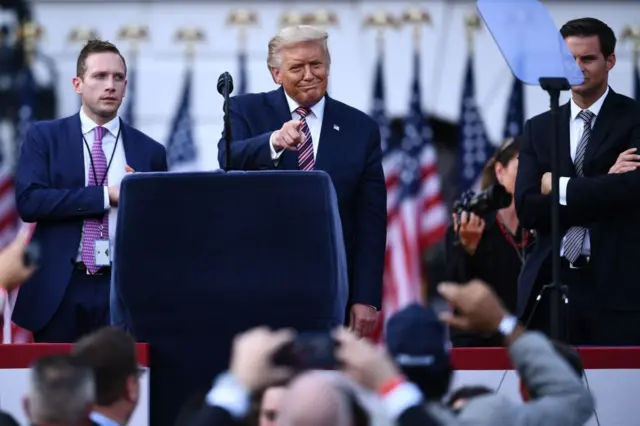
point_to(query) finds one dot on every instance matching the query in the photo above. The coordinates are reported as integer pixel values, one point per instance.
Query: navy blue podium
(200, 257)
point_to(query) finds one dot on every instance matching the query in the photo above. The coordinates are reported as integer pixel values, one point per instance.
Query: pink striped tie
(95, 229)
(305, 149)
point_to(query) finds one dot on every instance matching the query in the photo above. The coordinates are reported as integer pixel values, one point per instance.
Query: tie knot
(98, 133)
(303, 111)
(586, 116)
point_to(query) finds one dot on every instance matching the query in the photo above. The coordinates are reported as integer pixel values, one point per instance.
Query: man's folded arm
(370, 227)
(533, 207)
(247, 152)
(601, 196)
(37, 202)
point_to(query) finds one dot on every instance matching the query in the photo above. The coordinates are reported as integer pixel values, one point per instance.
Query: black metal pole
(227, 124)
(554, 86)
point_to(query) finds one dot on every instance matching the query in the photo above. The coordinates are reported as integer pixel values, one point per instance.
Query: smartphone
(309, 351)
(440, 305)
(31, 255)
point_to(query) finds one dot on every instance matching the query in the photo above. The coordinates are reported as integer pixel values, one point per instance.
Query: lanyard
(93, 167)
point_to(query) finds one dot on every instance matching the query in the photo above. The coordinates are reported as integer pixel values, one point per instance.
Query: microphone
(224, 80)
(225, 87)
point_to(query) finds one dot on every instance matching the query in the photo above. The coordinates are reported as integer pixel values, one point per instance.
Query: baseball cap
(416, 338)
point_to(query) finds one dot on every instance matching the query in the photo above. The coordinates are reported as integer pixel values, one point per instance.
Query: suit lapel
(77, 172)
(329, 142)
(601, 129)
(131, 154)
(277, 100)
(564, 138)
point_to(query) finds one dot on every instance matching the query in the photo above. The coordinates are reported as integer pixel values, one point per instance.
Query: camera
(495, 197)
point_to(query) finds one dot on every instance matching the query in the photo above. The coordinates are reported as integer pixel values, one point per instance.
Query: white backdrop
(353, 49)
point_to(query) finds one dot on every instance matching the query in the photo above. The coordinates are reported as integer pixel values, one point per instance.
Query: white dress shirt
(576, 129)
(314, 122)
(116, 171)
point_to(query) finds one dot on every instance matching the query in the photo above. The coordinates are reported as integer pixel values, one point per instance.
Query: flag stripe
(416, 214)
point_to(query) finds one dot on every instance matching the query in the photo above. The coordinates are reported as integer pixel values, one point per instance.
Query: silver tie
(575, 236)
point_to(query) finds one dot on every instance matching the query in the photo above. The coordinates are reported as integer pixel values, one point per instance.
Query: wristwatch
(507, 325)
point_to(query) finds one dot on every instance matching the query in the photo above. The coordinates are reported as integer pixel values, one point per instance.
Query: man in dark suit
(68, 182)
(299, 127)
(600, 204)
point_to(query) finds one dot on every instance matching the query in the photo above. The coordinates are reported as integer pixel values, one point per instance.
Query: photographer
(489, 245)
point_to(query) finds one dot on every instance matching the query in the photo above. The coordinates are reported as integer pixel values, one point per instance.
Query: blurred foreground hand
(13, 272)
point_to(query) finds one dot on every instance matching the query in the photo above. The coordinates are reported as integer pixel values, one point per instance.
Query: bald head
(315, 399)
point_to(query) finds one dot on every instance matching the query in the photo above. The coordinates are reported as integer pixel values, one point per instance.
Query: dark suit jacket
(349, 151)
(7, 419)
(608, 205)
(50, 190)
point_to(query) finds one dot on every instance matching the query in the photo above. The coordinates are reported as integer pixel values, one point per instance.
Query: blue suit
(349, 151)
(50, 190)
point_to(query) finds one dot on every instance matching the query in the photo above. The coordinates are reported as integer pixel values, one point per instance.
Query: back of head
(112, 355)
(589, 27)
(315, 399)
(418, 342)
(61, 391)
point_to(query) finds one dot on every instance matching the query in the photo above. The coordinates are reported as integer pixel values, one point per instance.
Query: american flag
(9, 219)
(182, 154)
(129, 105)
(416, 213)
(431, 207)
(515, 111)
(474, 148)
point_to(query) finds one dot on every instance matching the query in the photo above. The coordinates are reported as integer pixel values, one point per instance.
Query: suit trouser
(84, 308)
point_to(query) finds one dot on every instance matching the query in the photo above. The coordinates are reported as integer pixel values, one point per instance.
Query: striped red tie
(305, 149)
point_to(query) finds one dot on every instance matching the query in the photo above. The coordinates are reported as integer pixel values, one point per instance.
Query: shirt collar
(102, 420)
(317, 109)
(88, 124)
(595, 108)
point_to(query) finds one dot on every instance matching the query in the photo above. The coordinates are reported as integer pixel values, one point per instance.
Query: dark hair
(467, 392)
(506, 152)
(96, 46)
(112, 355)
(587, 27)
(253, 419)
